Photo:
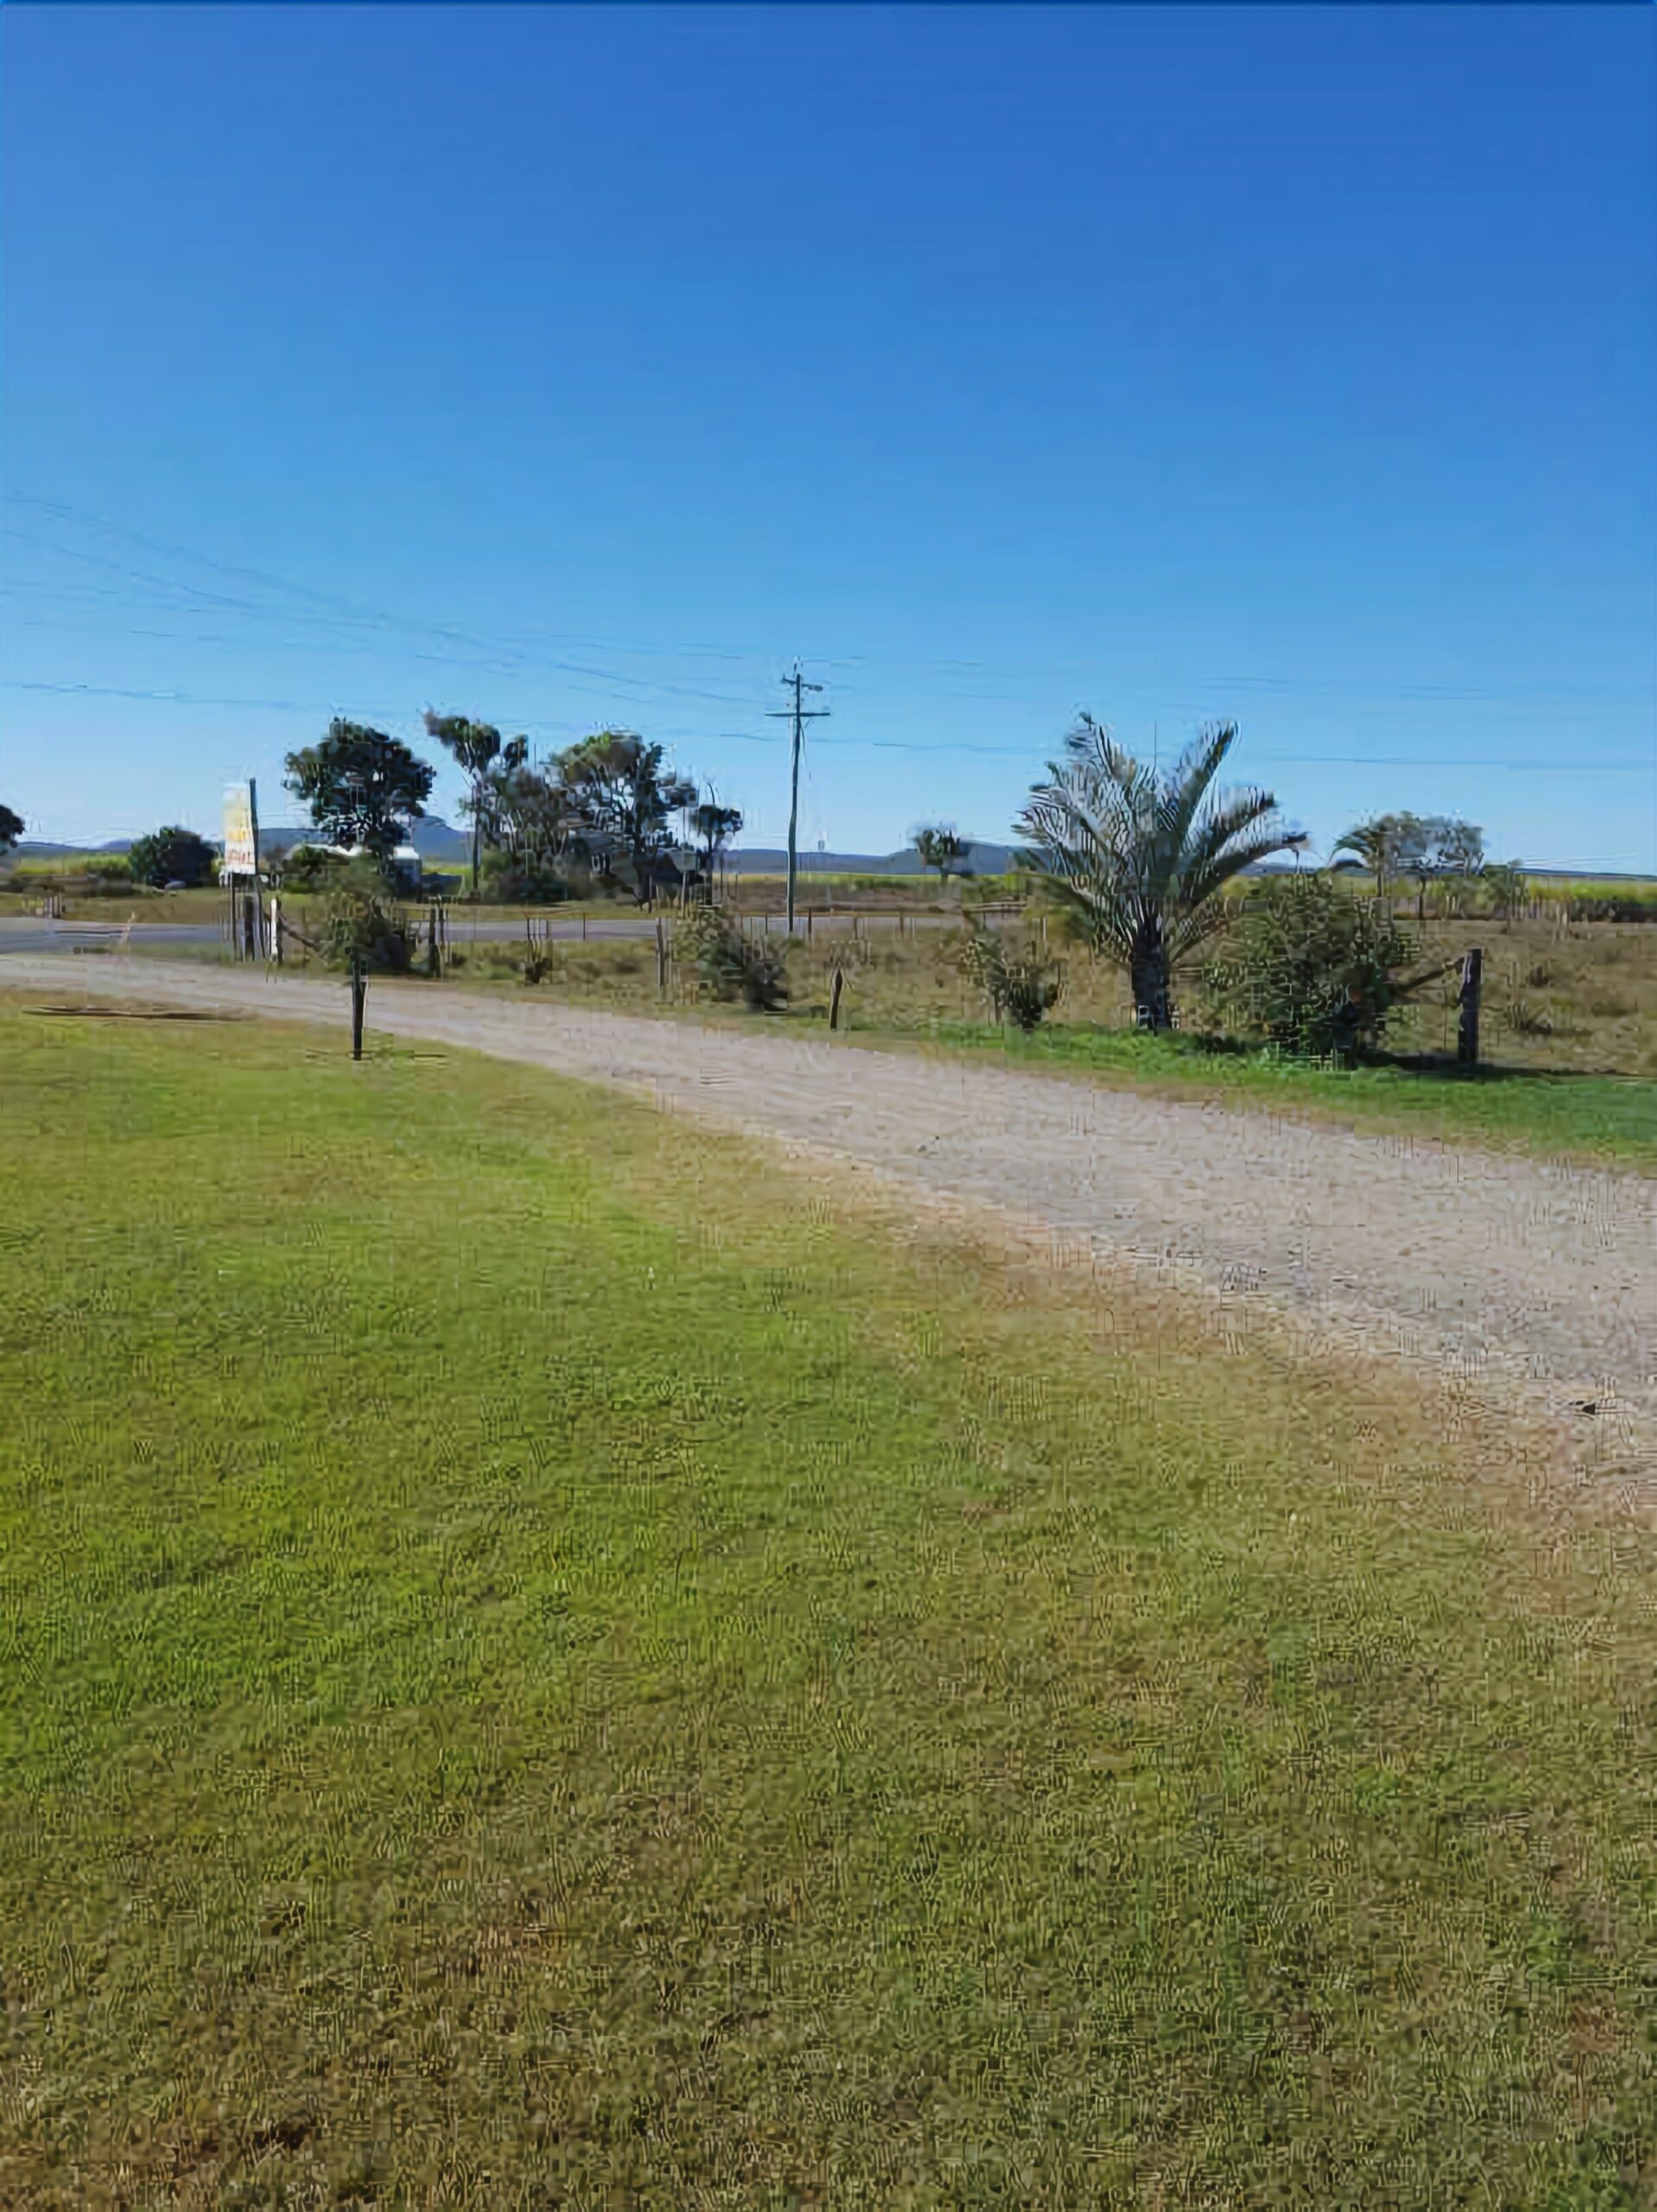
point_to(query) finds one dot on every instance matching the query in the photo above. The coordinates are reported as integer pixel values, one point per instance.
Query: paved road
(24, 933)
(1536, 1280)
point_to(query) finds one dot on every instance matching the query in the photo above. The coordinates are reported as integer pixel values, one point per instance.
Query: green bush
(1309, 967)
(1630, 907)
(172, 854)
(1021, 985)
(310, 868)
(360, 920)
(728, 965)
(1506, 888)
(508, 880)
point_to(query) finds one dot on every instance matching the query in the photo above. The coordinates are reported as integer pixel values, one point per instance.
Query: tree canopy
(624, 798)
(362, 787)
(172, 855)
(11, 828)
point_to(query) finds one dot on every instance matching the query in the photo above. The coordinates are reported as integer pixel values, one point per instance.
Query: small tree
(1507, 886)
(171, 855)
(362, 787)
(12, 828)
(1455, 855)
(938, 846)
(715, 827)
(1309, 967)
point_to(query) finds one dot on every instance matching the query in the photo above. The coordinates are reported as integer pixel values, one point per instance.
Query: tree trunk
(477, 840)
(1148, 973)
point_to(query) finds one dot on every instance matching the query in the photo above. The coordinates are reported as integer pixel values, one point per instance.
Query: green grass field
(551, 1663)
(1608, 1119)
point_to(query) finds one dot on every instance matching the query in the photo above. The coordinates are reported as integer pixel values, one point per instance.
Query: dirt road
(1536, 1279)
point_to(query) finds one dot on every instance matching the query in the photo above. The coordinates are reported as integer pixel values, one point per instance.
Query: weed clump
(1022, 986)
(728, 965)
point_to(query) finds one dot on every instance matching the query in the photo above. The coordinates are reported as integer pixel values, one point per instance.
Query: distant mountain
(433, 839)
(767, 860)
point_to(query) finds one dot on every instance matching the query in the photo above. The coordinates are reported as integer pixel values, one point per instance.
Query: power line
(1031, 752)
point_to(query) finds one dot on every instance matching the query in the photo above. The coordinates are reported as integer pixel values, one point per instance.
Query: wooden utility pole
(799, 715)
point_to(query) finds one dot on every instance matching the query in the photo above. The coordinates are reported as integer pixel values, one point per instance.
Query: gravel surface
(1534, 1277)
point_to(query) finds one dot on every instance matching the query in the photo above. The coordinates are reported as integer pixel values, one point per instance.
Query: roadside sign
(241, 831)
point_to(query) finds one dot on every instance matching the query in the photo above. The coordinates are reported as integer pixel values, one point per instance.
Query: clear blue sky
(570, 366)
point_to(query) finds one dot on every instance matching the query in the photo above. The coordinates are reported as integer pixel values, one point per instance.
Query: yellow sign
(241, 831)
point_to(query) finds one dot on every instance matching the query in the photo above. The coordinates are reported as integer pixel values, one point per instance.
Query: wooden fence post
(661, 959)
(835, 990)
(251, 925)
(1467, 1029)
(359, 993)
(275, 929)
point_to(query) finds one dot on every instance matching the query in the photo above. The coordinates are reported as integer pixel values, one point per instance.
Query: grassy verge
(1612, 1119)
(671, 1695)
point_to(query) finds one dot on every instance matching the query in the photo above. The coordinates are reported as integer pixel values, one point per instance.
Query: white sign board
(241, 831)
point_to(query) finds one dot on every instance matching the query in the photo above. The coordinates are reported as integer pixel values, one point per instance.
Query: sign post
(242, 857)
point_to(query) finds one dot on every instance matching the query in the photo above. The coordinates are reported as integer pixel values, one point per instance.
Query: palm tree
(1382, 844)
(1135, 859)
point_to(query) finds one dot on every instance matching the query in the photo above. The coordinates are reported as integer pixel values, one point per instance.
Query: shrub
(1021, 986)
(1309, 967)
(510, 880)
(728, 965)
(311, 868)
(360, 919)
(1506, 887)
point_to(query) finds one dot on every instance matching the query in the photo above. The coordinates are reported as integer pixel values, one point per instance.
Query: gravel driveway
(1537, 1278)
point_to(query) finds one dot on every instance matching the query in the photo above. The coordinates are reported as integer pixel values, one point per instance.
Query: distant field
(550, 1663)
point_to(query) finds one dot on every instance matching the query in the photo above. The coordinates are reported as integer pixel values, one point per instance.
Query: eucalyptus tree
(1135, 859)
